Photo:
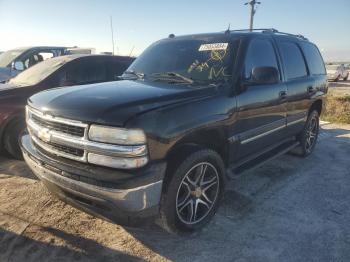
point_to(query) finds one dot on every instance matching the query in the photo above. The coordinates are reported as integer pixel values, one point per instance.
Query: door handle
(310, 89)
(283, 95)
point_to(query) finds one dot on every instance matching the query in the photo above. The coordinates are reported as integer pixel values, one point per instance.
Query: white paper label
(214, 46)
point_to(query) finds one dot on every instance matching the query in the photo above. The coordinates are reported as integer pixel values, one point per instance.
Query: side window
(117, 68)
(82, 72)
(92, 72)
(260, 53)
(314, 59)
(293, 60)
(45, 55)
(36, 57)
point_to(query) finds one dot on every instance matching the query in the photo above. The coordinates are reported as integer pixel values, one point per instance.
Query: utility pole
(112, 34)
(252, 4)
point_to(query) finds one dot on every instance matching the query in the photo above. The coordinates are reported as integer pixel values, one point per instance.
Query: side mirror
(18, 65)
(264, 75)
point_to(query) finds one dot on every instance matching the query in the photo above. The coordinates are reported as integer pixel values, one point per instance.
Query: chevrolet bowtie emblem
(44, 135)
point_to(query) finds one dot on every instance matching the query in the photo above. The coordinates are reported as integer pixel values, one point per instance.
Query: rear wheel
(346, 78)
(11, 138)
(308, 137)
(193, 192)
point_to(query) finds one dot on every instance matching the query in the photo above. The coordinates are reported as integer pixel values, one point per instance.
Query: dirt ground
(340, 88)
(290, 209)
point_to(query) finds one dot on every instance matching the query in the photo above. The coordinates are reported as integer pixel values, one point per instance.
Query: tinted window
(83, 72)
(260, 53)
(313, 59)
(293, 60)
(117, 68)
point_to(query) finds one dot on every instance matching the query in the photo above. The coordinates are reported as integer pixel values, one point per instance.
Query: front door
(261, 108)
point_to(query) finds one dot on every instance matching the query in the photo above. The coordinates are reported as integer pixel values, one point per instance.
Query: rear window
(293, 60)
(314, 59)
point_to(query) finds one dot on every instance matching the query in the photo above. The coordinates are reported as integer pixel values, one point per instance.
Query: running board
(262, 158)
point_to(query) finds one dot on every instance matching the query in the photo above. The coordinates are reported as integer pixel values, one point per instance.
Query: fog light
(117, 162)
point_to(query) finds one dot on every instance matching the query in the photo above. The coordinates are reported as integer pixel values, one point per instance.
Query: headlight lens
(117, 162)
(118, 136)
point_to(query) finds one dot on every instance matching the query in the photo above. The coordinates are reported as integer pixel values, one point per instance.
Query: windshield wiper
(171, 76)
(135, 75)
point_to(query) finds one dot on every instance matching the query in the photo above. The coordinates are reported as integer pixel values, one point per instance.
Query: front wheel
(11, 139)
(308, 137)
(193, 192)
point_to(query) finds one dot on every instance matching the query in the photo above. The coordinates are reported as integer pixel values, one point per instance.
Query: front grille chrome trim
(75, 142)
(56, 119)
(53, 151)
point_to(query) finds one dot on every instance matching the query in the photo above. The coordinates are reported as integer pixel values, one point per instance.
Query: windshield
(39, 72)
(8, 57)
(332, 67)
(187, 61)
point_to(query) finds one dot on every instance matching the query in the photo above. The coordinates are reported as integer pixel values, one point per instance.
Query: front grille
(66, 149)
(59, 127)
(44, 129)
(67, 138)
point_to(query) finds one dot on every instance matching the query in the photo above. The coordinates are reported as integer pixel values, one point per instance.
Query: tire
(204, 168)
(11, 139)
(337, 79)
(308, 137)
(346, 78)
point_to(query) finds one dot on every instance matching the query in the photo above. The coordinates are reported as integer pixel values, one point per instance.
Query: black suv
(191, 112)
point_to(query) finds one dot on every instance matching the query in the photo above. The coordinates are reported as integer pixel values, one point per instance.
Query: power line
(252, 4)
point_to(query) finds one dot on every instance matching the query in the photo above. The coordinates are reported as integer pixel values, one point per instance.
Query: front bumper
(124, 206)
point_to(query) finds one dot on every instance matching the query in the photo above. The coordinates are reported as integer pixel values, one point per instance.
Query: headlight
(117, 162)
(118, 136)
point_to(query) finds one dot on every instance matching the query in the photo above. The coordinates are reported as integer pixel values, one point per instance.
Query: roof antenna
(227, 32)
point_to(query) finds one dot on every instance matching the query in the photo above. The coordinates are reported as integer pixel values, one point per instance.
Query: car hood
(113, 103)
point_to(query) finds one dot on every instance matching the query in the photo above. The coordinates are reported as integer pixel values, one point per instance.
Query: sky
(138, 23)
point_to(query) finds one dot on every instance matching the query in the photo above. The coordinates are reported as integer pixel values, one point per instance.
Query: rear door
(300, 86)
(261, 108)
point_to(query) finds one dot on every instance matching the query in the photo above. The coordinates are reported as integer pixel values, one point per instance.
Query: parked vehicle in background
(14, 61)
(191, 112)
(337, 72)
(56, 72)
(17, 60)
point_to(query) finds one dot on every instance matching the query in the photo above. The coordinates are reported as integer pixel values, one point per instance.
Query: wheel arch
(317, 105)
(213, 139)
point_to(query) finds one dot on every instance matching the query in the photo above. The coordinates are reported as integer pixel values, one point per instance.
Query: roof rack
(270, 30)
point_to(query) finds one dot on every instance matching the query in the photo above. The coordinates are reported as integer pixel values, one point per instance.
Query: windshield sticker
(213, 64)
(214, 46)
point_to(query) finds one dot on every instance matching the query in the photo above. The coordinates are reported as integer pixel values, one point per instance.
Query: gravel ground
(341, 88)
(290, 209)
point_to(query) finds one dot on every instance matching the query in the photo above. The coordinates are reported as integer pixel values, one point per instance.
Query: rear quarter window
(314, 59)
(293, 60)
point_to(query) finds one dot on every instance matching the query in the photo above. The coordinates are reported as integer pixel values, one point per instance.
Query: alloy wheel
(197, 193)
(311, 133)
